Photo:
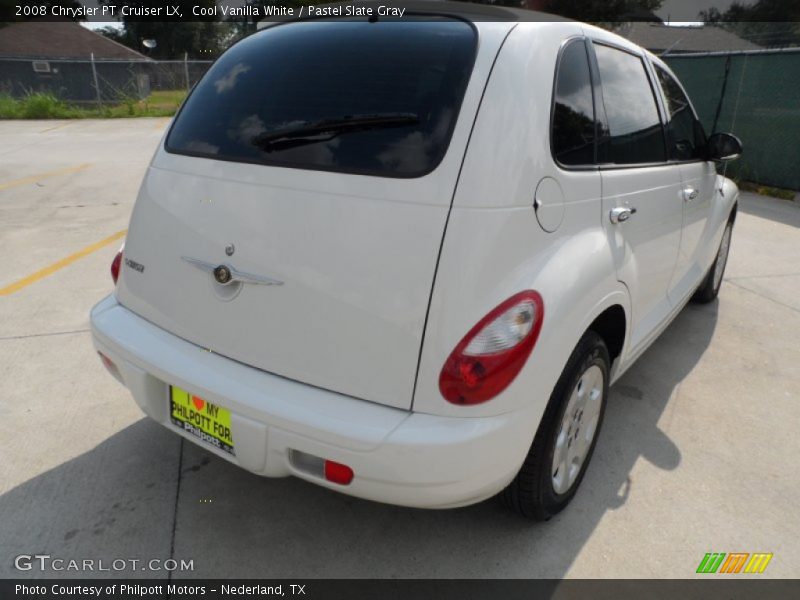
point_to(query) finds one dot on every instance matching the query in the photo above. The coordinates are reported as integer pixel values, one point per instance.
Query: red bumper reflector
(110, 366)
(338, 473)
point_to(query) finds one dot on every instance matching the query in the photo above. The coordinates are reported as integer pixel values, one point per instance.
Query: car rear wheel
(567, 435)
(709, 289)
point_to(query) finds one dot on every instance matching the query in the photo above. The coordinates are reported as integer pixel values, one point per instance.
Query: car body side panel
(646, 246)
(726, 195)
(509, 150)
(700, 176)
(495, 247)
(573, 272)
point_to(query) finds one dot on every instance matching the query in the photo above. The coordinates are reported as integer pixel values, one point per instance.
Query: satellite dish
(149, 44)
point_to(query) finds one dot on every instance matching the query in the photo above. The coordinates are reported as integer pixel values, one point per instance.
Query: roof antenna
(373, 18)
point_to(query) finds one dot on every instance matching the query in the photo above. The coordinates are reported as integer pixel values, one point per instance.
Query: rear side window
(352, 96)
(686, 139)
(573, 132)
(634, 133)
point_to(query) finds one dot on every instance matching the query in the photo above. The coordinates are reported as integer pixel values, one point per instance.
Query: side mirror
(723, 147)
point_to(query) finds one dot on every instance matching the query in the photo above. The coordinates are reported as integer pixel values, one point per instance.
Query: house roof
(60, 39)
(660, 38)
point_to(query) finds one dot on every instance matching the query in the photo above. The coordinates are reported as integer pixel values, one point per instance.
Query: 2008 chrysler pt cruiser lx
(406, 259)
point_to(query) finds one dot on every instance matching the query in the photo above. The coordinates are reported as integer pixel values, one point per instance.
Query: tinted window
(296, 75)
(573, 113)
(634, 132)
(685, 137)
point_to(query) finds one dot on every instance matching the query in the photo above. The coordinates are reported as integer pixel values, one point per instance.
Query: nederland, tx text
(171, 589)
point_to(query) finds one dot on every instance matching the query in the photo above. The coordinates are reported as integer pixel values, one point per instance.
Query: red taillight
(492, 354)
(338, 473)
(115, 266)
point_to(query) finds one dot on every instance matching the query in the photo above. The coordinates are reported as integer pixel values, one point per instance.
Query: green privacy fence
(755, 95)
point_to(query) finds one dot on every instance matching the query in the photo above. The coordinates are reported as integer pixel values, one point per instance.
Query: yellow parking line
(57, 127)
(41, 274)
(35, 178)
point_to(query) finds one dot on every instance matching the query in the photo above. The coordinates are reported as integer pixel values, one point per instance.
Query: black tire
(532, 493)
(709, 288)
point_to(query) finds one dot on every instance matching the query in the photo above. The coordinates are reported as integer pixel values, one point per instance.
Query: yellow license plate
(204, 420)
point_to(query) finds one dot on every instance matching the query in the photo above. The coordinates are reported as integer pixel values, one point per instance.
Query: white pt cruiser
(405, 260)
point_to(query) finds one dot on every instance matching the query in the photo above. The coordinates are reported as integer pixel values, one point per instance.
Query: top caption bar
(257, 10)
(286, 10)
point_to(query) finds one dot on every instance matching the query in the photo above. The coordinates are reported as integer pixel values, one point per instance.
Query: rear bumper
(398, 457)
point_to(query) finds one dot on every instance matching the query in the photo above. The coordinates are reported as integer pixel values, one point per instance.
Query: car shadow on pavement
(126, 499)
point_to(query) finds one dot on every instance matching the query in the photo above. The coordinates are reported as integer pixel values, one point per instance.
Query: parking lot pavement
(699, 451)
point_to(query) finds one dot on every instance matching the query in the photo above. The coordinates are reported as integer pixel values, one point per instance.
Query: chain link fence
(756, 96)
(97, 81)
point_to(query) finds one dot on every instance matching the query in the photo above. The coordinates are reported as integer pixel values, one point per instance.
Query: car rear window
(390, 91)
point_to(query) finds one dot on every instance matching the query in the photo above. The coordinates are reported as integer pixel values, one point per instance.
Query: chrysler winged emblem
(226, 274)
(223, 274)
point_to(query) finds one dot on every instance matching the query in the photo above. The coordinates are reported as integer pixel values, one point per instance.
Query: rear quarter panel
(494, 246)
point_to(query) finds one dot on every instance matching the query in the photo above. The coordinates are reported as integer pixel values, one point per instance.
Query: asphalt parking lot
(699, 451)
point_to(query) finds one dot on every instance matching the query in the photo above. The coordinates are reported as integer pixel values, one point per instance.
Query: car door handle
(690, 194)
(620, 214)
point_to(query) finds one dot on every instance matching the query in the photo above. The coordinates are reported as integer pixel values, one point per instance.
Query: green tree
(199, 37)
(605, 10)
(114, 33)
(588, 10)
(766, 23)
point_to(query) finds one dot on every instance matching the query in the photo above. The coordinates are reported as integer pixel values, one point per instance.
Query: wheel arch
(734, 210)
(612, 326)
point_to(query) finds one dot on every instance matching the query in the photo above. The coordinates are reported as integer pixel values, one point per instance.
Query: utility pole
(96, 84)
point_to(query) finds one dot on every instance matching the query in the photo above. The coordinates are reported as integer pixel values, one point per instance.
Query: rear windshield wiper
(311, 132)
